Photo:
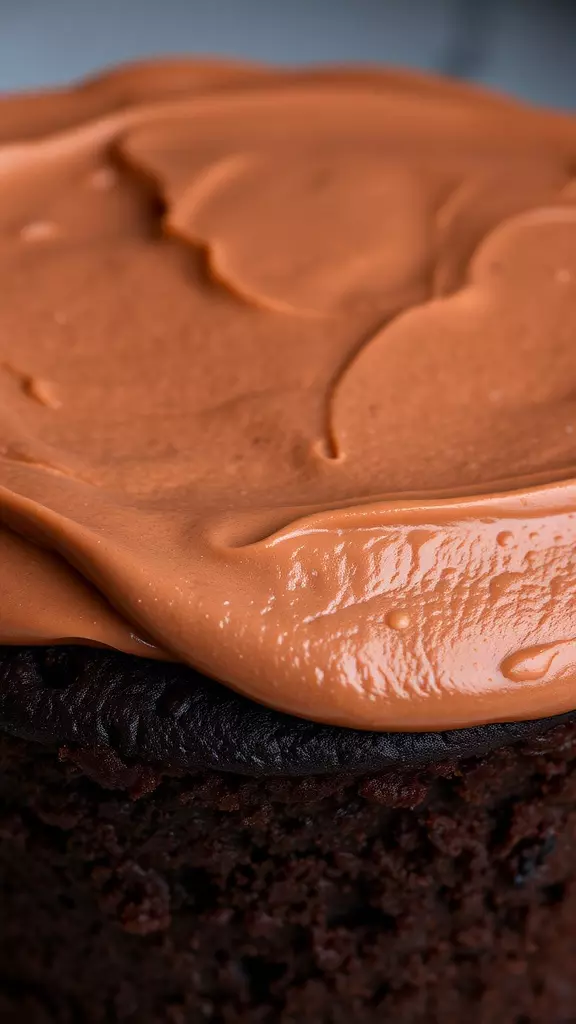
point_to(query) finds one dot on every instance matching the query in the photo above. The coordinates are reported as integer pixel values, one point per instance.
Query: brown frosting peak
(288, 384)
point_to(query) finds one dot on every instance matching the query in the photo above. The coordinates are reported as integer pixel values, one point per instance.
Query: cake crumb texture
(446, 896)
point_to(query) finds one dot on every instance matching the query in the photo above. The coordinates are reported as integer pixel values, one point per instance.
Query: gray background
(527, 47)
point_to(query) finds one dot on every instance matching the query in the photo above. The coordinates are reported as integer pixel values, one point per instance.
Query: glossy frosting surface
(288, 387)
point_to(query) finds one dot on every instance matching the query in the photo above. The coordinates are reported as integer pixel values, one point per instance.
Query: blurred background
(526, 47)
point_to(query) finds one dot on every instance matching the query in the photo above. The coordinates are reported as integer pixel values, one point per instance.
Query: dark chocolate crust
(171, 717)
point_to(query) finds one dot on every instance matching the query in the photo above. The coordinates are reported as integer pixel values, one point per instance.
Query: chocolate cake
(287, 524)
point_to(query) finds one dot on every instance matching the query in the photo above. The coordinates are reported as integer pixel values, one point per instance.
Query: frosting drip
(288, 385)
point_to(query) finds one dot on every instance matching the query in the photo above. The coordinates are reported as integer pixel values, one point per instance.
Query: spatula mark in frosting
(39, 456)
(43, 391)
(179, 220)
(438, 329)
(478, 204)
(29, 451)
(240, 208)
(382, 259)
(234, 209)
(330, 447)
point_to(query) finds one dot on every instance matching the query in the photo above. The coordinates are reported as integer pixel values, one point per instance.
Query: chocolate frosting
(289, 388)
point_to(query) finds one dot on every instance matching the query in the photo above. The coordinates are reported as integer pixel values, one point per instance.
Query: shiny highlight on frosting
(288, 382)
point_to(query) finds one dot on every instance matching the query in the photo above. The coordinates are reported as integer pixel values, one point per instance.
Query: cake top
(288, 382)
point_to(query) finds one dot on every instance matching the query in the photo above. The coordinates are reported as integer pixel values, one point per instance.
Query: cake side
(424, 897)
(142, 714)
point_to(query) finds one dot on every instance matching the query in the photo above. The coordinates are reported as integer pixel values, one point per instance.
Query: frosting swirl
(288, 384)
